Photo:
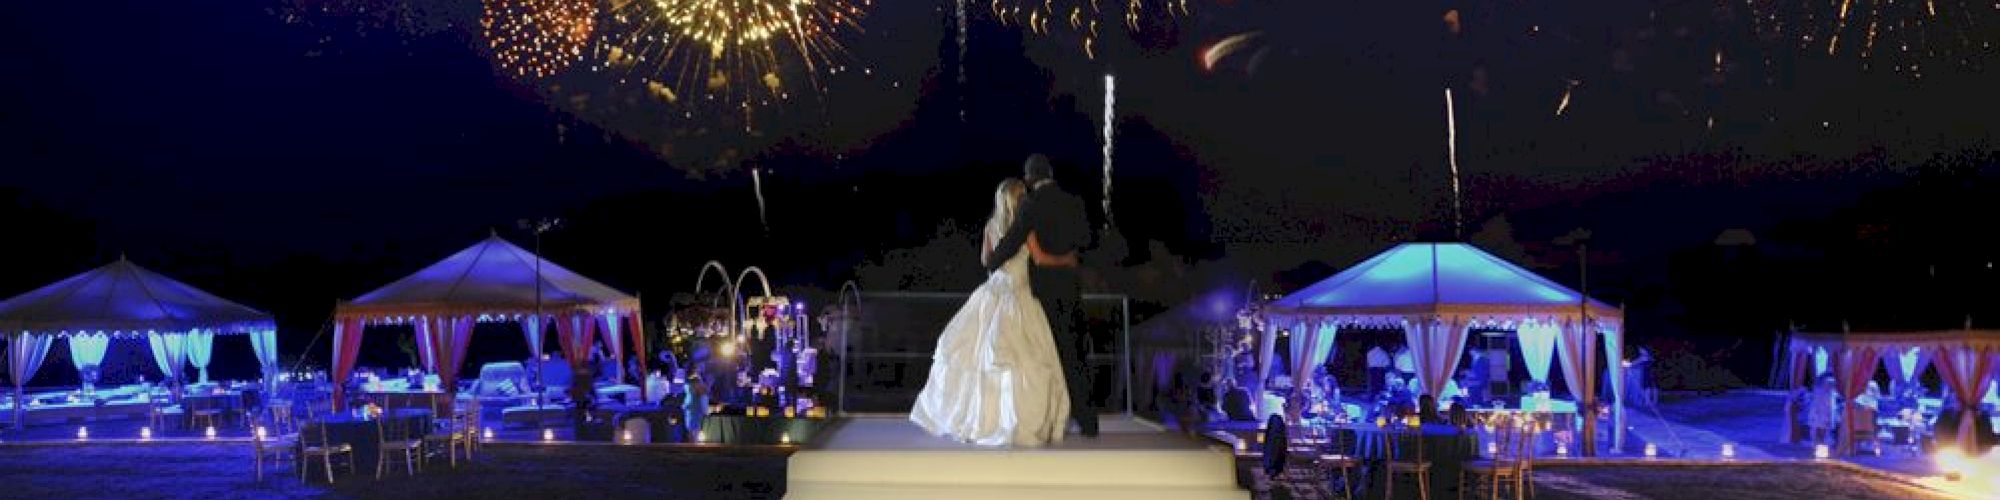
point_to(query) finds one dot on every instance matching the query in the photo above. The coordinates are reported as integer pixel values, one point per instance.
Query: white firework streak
(1110, 116)
(960, 13)
(757, 182)
(1451, 146)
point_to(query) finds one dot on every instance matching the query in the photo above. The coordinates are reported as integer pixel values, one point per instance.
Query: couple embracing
(1008, 370)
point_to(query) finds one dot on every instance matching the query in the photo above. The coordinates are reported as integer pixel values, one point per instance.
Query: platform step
(1187, 468)
(839, 491)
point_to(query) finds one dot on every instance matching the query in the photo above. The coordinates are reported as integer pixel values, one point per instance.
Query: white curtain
(1903, 366)
(1310, 347)
(265, 344)
(1266, 352)
(25, 352)
(199, 345)
(1579, 365)
(1437, 345)
(1820, 360)
(170, 352)
(1614, 354)
(426, 346)
(615, 343)
(1538, 348)
(87, 350)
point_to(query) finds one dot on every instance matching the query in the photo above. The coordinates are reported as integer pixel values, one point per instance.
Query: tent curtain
(346, 346)
(1798, 378)
(200, 346)
(1266, 354)
(87, 350)
(1310, 348)
(1856, 368)
(532, 329)
(638, 329)
(574, 332)
(448, 338)
(1538, 349)
(1437, 345)
(167, 348)
(426, 345)
(1614, 358)
(608, 327)
(264, 343)
(25, 352)
(1904, 365)
(1965, 371)
(1576, 347)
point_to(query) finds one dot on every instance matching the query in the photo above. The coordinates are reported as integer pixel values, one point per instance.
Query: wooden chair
(451, 433)
(1865, 431)
(202, 410)
(396, 436)
(279, 448)
(1338, 453)
(313, 443)
(1511, 463)
(159, 413)
(279, 413)
(1404, 462)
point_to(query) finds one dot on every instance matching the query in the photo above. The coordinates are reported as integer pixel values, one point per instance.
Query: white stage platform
(889, 458)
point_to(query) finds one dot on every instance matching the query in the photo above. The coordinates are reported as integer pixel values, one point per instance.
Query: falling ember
(1216, 53)
(1562, 105)
(757, 182)
(537, 38)
(1451, 147)
(1110, 118)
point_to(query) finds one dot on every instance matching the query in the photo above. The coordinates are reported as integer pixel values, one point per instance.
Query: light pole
(1580, 238)
(537, 227)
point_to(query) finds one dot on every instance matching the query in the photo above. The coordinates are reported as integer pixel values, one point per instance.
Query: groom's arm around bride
(1056, 221)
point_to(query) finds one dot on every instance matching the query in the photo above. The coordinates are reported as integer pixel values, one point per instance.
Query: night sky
(290, 153)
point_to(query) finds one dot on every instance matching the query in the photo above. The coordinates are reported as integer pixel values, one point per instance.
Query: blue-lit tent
(1437, 293)
(122, 299)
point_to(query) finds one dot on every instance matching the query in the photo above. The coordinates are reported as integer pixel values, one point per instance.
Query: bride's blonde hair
(1006, 199)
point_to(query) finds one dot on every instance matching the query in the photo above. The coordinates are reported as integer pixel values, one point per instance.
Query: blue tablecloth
(361, 433)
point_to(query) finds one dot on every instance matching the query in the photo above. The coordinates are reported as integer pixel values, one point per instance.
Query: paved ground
(223, 471)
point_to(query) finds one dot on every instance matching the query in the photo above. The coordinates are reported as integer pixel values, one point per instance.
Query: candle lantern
(210, 433)
(82, 433)
(1728, 451)
(1821, 452)
(1652, 451)
(260, 433)
(145, 433)
(488, 433)
(548, 434)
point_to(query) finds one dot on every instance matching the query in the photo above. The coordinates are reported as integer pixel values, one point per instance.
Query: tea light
(260, 433)
(1492, 449)
(1242, 446)
(487, 433)
(785, 438)
(548, 434)
(82, 433)
(789, 412)
(1562, 450)
(626, 436)
(145, 433)
(1820, 452)
(1381, 421)
(701, 437)
(210, 433)
(1652, 451)
(1728, 451)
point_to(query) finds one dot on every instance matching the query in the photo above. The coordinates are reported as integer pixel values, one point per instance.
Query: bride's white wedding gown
(995, 379)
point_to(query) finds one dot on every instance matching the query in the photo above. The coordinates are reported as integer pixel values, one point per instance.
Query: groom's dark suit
(1060, 226)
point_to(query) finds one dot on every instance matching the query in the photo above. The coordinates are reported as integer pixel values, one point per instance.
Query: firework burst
(538, 38)
(1910, 37)
(1086, 18)
(738, 52)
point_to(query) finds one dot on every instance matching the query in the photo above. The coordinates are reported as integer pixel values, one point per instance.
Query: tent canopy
(122, 297)
(1437, 279)
(491, 277)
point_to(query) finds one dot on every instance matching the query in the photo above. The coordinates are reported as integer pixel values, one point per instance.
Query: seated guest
(1427, 410)
(1459, 416)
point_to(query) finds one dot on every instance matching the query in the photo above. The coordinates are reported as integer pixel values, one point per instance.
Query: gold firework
(739, 52)
(1043, 17)
(538, 38)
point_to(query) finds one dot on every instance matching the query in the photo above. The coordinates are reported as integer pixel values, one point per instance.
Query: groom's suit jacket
(1060, 225)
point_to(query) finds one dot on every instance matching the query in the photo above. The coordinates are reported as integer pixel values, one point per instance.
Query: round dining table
(361, 433)
(1445, 446)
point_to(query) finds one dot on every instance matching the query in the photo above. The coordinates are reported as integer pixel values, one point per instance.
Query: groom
(1060, 227)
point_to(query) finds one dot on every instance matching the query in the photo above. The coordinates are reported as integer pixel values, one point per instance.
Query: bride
(995, 379)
